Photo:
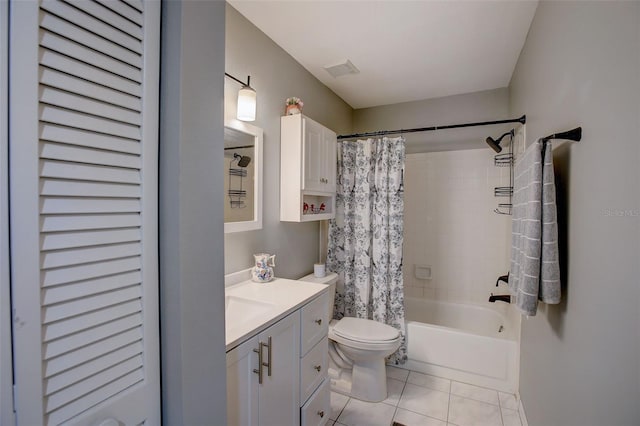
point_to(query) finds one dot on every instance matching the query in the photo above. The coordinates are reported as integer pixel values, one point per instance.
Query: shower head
(243, 160)
(495, 143)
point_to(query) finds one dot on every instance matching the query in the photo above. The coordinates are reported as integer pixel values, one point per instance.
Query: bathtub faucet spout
(501, 297)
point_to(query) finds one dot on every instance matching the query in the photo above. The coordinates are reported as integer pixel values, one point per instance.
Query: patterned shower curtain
(365, 238)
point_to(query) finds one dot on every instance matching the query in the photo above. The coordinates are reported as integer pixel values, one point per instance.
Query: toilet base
(369, 381)
(364, 382)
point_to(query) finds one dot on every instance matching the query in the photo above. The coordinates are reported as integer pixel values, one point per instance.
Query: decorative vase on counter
(263, 270)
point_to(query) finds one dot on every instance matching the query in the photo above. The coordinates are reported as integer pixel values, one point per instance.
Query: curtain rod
(521, 120)
(570, 135)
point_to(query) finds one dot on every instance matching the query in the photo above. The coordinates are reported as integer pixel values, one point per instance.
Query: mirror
(242, 177)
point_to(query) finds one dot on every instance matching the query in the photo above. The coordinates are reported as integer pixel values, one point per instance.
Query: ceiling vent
(341, 69)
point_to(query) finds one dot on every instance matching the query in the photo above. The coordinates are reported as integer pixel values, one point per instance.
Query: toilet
(357, 351)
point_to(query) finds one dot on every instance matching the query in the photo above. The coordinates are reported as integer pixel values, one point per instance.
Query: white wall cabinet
(294, 389)
(307, 170)
(266, 393)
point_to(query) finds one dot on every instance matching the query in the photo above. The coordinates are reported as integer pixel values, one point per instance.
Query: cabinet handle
(318, 368)
(318, 321)
(321, 413)
(259, 370)
(268, 363)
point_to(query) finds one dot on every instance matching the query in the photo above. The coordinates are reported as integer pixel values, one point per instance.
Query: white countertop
(283, 296)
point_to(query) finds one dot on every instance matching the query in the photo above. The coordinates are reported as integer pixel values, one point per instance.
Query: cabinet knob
(318, 321)
(318, 368)
(321, 413)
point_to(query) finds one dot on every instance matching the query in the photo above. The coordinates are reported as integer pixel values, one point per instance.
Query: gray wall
(191, 215)
(488, 105)
(580, 66)
(276, 76)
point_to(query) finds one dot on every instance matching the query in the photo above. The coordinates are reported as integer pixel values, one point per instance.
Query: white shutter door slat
(77, 340)
(57, 259)
(83, 239)
(69, 188)
(85, 272)
(136, 4)
(90, 368)
(123, 10)
(76, 154)
(77, 307)
(77, 51)
(66, 29)
(93, 351)
(69, 83)
(79, 120)
(101, 316)
(77, 390)
(71, 291)
(117, 20)
(84, 197)
(68, 135)
(73, 67)
(61, 170)
(94, 221)
(70, 101)
(101, 394)
(89, 205)
(86, 21)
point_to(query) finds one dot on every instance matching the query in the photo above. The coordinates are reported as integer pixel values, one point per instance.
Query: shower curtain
(365, 238)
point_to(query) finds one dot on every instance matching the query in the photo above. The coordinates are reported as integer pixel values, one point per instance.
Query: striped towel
(535, 268)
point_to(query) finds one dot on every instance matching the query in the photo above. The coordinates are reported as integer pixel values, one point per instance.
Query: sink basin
(239, 310)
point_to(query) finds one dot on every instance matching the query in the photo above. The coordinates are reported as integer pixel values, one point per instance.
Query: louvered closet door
(83, 167)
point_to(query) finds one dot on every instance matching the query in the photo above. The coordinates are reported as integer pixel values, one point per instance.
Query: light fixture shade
(246, 104)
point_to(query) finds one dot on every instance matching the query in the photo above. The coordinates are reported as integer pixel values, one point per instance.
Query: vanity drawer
(313, 368)
(315, 322)
(317, 410)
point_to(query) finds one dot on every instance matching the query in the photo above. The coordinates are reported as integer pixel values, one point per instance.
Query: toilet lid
(364, 330)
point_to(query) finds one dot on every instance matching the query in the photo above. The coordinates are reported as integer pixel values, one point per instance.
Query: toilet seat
(363, 334)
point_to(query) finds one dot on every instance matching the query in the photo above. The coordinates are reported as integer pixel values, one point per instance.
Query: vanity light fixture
(246, 100)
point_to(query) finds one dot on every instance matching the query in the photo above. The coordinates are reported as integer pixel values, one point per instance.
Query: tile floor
(416, 399)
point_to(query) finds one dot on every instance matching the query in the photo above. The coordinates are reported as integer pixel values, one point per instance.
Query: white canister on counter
(319, 270)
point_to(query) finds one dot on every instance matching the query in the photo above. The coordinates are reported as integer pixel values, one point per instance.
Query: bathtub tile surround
(419, 405)
(450, 225)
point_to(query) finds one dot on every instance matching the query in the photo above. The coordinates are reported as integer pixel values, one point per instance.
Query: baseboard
(523, 417)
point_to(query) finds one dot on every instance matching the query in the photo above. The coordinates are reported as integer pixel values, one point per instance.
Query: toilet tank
(330, 279)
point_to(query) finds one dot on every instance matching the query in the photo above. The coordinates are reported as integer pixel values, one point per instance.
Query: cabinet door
(329, 139)
(242, 385)
(312, 154)
(84, 203)
(279, 393)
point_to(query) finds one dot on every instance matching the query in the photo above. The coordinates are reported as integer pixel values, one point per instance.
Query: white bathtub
(469, 343)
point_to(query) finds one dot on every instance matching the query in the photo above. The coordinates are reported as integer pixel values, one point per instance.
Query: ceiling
(404, 50)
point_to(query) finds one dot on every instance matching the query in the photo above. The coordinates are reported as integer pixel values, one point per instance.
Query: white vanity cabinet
(279, 376)
(314, 363)
(266, 394)
(307, 170)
